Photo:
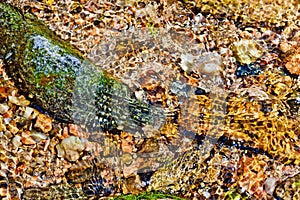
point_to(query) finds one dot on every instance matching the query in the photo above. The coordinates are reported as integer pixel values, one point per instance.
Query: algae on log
(61, 81)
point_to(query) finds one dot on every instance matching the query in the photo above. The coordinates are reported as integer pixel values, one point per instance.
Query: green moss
(296, 184)
(62, 82)
(234, 194)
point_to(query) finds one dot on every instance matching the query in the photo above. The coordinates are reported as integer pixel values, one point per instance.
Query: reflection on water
(151, 62)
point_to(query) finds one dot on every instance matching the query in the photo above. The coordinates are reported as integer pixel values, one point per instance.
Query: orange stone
(26, 139)
(126, 146)
(293, 64)
(44, 123)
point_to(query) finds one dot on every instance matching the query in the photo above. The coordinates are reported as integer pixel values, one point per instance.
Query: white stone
(3, 108)
(28, 111)
(70, 148)
(16, 141)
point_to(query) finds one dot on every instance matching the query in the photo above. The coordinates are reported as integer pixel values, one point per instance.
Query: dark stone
(200, 91)
(247, 70)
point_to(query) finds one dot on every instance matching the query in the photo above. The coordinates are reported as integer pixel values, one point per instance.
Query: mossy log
(60, 81)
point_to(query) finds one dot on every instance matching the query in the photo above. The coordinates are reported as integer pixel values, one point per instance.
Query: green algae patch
(60, 81)
(147, 195)
(234, 194)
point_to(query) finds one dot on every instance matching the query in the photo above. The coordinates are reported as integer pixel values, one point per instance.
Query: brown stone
(127, 142)
(77, 131)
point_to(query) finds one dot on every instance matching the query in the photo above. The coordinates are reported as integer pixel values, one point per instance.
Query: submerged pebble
(16, 141)
(20, 101)
(3, 108)
(246, 51)
(70, 148)
(208, 63)
(293, 64)
(27, 139)
(246, 70)
(28, 111)
(43, 123)
(38, 136)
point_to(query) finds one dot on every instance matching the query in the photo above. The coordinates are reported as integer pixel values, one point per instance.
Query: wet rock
(27, 113)
(16, 141)
(43, 123)
(180, 89)
(132, 185)
(3, 108)
(148, 145)
(127, 142)
(70, 148)
(200, 91)
(247, 70)
(270, 184)
(12, 127)
(127, 158)
(38, 136)
(246, 51)
(209, 63)
(2, 125)
(294, 105)
(187, 62)
(77, 131)
(145, 178)
(53, 71)
(20, 101)
(286, 46)
(293, 64)
(26, 139)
